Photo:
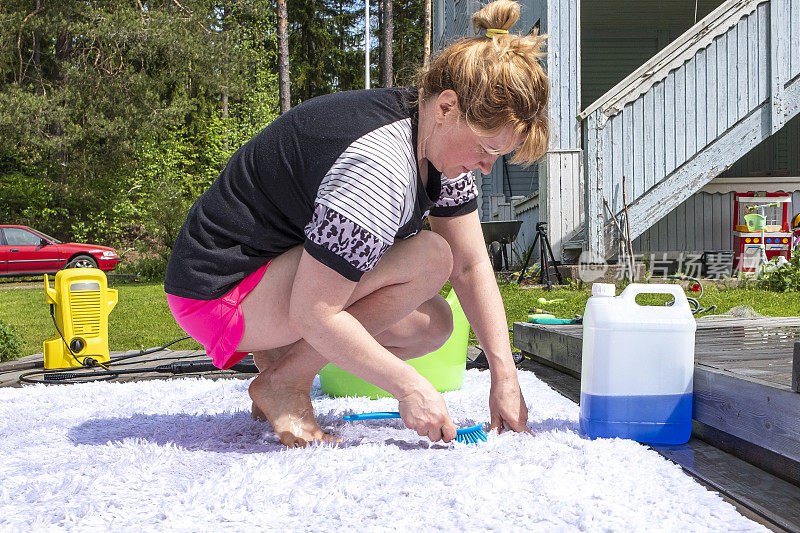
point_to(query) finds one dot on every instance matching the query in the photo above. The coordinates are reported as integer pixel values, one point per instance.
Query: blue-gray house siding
(613, 38)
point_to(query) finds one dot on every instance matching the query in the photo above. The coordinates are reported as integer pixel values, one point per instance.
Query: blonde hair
(498, 80)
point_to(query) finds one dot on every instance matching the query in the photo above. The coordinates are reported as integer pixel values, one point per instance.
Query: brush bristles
(471, 435)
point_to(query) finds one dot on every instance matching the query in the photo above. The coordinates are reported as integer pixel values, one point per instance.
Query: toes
(290, 440)
(287, 439)
(321, 436)
(330, 438)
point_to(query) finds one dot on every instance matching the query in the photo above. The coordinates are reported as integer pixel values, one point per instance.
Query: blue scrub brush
(469, 435)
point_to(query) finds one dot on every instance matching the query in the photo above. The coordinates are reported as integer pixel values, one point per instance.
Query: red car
(25, 251)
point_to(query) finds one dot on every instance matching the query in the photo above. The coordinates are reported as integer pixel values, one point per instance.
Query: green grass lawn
(142, 318)
(520, 300)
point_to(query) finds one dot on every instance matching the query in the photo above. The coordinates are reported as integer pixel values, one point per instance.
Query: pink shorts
(217, 324)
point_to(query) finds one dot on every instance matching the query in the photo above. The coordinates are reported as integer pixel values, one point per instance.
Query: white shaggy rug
(184, 455)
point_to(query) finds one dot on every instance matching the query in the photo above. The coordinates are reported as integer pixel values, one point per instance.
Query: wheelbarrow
(497, 235)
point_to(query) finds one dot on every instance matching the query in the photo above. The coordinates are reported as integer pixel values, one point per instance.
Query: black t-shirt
(337, 173)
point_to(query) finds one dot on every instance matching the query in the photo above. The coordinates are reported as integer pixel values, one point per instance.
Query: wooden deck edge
(744, 485)
(550, 346)
(756, 493)
(767, 460)
(721, 321)
(730, 410)
(21, 364)
(554, 366)
(754, 412)
(10, 371)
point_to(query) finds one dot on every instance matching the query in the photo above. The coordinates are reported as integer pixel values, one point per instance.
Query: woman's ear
(446, 105)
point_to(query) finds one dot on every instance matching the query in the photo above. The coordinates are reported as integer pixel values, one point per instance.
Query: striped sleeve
(459, 196)
(365, 197)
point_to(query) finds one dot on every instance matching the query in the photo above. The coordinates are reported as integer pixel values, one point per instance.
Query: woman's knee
(436, 261)
(440, 326)
(423, 260)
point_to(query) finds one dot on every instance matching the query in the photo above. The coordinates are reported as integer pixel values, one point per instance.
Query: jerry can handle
(634, 289)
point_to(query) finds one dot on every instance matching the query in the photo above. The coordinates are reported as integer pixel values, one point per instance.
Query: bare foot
(288, 409)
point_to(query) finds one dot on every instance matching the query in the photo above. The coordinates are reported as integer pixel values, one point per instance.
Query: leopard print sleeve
(342, 244)
(459, 196)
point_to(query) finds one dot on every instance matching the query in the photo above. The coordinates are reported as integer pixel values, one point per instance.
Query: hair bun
(499, 15)
(499, 81)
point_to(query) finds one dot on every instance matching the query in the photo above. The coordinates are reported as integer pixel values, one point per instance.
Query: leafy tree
(348, 53)
(104, 105)
(115, 116)
(325, 47)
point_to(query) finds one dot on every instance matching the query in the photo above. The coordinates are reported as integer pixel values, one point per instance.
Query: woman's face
(454, 148)
(465, 150)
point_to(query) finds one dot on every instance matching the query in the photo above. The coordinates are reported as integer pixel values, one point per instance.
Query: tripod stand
(545, 260)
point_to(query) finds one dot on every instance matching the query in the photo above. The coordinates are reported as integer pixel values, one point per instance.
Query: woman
(309, 247)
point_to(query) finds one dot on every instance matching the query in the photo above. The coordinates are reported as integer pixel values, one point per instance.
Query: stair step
(578, 241)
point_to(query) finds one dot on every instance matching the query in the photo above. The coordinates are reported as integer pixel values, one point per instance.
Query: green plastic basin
(444, 368)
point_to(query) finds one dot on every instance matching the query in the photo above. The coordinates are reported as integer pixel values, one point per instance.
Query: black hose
(65, 378)
(79, 374)
(69, 376)
(146, 352)
(693, 302)
(53, 316)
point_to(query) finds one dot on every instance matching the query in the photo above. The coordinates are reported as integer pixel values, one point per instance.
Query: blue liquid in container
(659, 419)
(637, 365)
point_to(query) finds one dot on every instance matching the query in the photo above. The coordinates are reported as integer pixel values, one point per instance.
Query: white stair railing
(689, 113)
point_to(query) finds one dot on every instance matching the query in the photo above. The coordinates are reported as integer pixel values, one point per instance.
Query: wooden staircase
(687, 115)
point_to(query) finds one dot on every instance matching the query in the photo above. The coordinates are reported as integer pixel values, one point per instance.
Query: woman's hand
(507, 406)
(424, 411)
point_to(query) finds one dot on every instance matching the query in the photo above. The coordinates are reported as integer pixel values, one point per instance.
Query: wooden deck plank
(540, 343)
(742, 392)
(759, 347)
(784, 467)
(766, 416)
(768, 322)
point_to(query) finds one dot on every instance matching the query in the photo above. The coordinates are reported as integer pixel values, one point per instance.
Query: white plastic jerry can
(637, 366)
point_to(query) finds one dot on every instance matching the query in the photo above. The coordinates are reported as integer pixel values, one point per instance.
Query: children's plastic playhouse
(760, 220)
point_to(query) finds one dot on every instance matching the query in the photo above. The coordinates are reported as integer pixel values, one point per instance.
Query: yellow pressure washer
(79, 304)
